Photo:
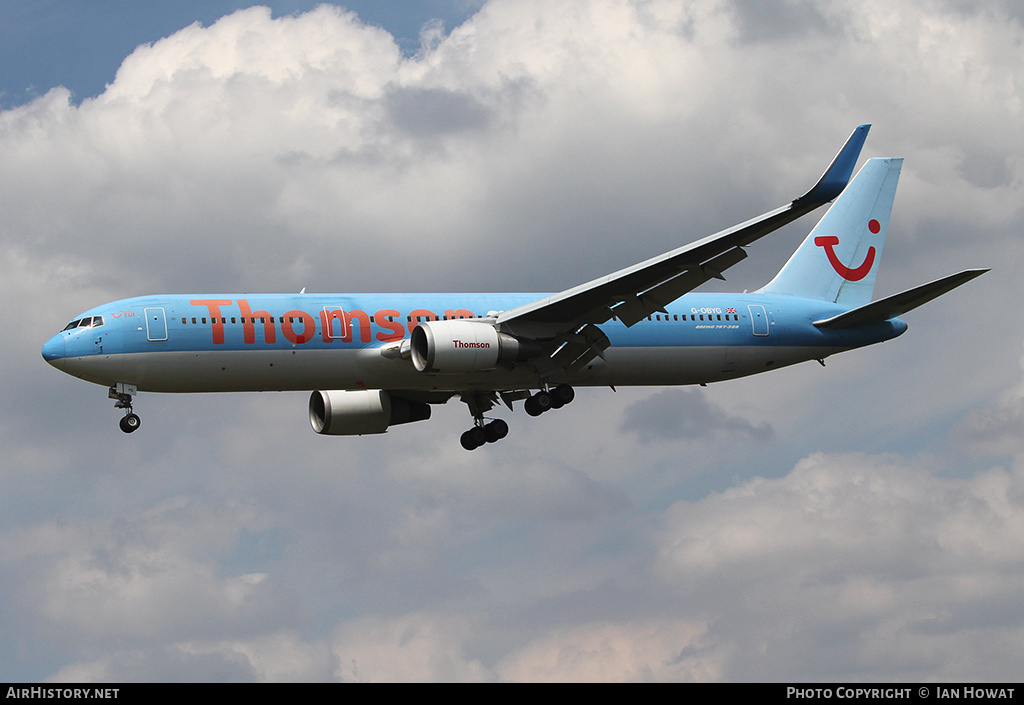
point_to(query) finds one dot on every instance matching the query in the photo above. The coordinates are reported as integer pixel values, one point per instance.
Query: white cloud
(998, 426)
(534, 147)
(414, 647)
(900, 573)
(662, 650)
(141, 575)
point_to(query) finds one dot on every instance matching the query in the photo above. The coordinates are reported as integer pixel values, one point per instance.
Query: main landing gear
(545, 400)
(122, 394)
(483, 433)
(490, 432)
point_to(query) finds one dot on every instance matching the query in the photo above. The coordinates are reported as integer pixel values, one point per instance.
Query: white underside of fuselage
(305, 370)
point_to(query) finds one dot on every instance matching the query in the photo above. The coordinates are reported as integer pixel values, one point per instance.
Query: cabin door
(156, 324)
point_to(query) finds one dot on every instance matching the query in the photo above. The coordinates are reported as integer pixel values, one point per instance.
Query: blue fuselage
(262, 342)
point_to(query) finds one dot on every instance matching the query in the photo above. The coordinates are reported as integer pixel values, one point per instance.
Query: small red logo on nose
(828, 242)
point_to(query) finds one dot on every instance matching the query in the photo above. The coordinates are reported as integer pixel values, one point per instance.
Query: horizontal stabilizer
(898, 304)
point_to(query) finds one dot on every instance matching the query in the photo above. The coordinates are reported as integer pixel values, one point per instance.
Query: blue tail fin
(839, 259)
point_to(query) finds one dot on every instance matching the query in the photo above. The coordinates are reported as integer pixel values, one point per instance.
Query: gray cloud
(884, 549)
(683, 414)
(997, 426)
(781, 21)
(424, 112)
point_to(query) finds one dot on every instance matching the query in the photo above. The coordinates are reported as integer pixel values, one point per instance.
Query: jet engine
(465, 346)
(355, 412)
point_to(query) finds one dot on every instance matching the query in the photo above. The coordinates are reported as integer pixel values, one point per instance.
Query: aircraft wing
(633, 293)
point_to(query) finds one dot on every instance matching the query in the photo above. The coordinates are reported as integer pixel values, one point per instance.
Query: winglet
(835, 178)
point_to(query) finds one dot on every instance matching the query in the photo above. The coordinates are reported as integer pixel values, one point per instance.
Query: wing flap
(636, 308)
(576, 351)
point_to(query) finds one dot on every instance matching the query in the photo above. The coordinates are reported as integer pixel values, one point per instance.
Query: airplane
(380, 360)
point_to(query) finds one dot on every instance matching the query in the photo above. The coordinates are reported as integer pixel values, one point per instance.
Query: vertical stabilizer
(839, 259)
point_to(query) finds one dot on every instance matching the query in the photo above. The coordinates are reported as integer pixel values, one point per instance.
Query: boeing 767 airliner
(382, 359)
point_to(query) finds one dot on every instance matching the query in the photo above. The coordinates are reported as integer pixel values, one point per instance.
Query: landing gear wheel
(473, 438)
(563, 394)
(130, 423)
(538, 403)
(478, 435)
(495, 430)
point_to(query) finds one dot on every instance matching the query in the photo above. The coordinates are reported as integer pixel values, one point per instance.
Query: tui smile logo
(828, 243)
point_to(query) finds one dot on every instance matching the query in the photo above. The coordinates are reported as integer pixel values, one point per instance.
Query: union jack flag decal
(730, 310)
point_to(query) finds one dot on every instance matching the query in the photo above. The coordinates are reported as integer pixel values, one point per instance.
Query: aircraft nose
(54, 351)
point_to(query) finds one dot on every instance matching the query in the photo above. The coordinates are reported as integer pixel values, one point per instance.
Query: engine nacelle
(356, 412)
(465, 346)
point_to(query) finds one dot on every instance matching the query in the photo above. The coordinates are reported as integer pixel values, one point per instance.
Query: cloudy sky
(864, 521)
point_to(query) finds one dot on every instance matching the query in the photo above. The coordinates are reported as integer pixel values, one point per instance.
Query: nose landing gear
(130, 422)
(122, 394)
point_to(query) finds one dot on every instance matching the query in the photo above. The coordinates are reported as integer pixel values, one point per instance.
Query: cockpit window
(87, 322)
